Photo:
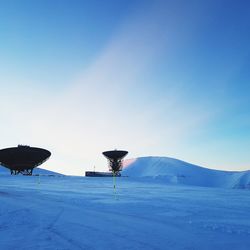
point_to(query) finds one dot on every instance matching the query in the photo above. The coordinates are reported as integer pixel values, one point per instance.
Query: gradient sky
(156, 78)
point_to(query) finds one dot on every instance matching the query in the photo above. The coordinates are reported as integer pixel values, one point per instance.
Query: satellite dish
(115, 159)
(115, 163)
(23, 159)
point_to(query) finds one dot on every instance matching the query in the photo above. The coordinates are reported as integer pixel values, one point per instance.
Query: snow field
(84, 213)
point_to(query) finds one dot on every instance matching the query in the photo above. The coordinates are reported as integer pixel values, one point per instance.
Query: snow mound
(174, 171)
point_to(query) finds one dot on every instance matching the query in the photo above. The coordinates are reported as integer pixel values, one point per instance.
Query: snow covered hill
(174, 171)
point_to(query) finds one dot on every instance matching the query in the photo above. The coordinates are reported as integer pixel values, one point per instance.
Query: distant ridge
(174, 171)
(40, 171)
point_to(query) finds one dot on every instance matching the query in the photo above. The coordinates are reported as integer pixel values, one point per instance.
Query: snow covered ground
(173, 171)
(63, 212)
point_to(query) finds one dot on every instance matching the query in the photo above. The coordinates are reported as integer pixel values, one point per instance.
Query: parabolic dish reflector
(23, 158)
(115, 154)
(115, 159)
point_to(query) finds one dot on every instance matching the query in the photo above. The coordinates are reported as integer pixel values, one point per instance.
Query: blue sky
(164, 78)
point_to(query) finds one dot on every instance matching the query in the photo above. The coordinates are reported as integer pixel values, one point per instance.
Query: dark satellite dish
(115, 159)
(23, 159)
(115, 163)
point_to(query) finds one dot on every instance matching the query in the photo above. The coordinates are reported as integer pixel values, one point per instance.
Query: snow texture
(164, 204)
(62, 212)
(169, 170)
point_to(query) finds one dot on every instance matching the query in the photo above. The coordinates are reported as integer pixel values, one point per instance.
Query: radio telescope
(23, 159)
(115, 158)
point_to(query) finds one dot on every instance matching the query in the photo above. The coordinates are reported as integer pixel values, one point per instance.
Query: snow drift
(174, 171)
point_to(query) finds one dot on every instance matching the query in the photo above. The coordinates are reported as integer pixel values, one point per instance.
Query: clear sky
(156, 78)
